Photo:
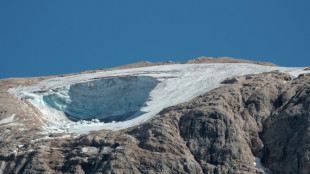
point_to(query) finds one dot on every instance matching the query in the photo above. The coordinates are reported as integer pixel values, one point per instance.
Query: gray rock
(265, 115)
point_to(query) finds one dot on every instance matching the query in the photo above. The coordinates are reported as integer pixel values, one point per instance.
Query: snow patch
(90, 150)
(22, 129)
(299, 71)
(106, 150)
(129, 97)
(259, 165)
(7, 120)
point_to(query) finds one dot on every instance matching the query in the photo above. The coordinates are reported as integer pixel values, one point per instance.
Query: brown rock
(265, 115)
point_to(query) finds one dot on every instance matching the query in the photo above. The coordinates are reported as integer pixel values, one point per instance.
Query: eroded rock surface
(265, 115)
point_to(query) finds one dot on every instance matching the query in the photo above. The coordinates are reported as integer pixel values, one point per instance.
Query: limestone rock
(265, 115)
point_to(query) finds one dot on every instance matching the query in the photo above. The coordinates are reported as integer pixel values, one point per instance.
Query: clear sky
(48, 37)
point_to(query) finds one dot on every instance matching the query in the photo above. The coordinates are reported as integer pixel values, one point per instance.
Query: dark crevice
(30, 158)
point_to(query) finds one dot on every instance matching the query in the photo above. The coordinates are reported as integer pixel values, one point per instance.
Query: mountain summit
(207, 115)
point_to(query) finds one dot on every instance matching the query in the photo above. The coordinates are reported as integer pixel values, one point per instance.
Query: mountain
(207, 115)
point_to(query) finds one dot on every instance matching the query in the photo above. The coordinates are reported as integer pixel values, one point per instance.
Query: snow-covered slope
(124, 98)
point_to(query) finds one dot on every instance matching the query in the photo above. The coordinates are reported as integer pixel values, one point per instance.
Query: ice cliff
(106, 99)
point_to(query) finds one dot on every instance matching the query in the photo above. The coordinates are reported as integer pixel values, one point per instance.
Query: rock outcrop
(265, 115)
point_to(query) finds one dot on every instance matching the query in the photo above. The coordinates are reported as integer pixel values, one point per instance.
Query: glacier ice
(106, 99)
(129, 97)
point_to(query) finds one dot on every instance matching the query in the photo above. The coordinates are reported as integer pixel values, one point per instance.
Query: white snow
(8, 119)
(92, 150)
(155, 88)
(22, 129)
(296, 73)
(106, 150)
(259, 165)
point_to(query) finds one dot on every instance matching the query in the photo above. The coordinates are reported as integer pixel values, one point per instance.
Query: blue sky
(48, 37)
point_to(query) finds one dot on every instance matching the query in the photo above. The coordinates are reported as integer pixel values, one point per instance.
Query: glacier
(105, 99)
(124, 98)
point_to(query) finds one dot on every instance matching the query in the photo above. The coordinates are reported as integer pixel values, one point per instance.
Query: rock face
(265, 115)
(226, 60)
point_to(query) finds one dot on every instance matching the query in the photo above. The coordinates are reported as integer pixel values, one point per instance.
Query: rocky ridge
(264, 115)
